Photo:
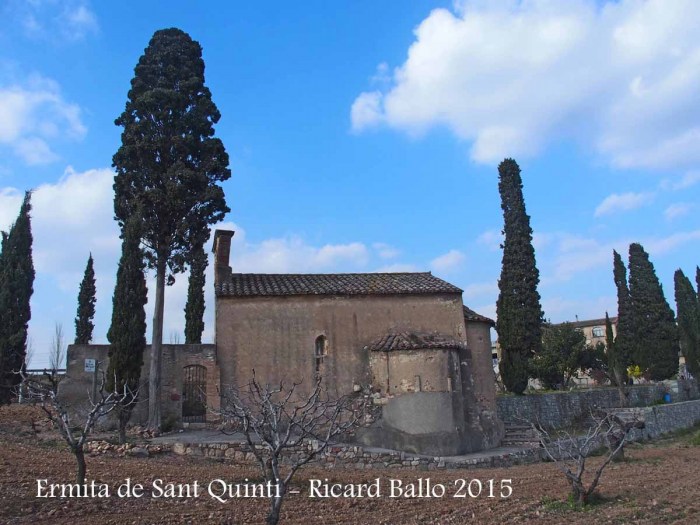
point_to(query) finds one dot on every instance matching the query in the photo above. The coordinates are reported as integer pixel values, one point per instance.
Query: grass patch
(694, 439)
(569, 505)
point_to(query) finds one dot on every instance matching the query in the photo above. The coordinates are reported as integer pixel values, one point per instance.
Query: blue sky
(365, 136)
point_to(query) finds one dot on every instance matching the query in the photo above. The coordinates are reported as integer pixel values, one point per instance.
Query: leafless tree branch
(274, 418)
(44, 390)
(569, 451)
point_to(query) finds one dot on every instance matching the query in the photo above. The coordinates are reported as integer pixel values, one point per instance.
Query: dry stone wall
(357, 457)
(563, 409)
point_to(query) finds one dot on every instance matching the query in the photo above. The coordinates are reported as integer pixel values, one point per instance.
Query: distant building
(594, 330)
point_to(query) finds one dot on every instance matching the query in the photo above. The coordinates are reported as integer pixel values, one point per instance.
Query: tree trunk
(124, 416)
(614, 440)
(80, 458)
(620, 380)
(154, 379)
(275, 506)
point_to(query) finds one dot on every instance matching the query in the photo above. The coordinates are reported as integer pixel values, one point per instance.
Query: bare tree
(569, 451)
(57, 354)
(276, 418)
(174, 337)
(74, 429)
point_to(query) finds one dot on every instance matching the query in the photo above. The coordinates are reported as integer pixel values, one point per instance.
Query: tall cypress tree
(127, 332)
(86, 306)
(617, 364)
(625, 339)
(520, 315)
(16, 288)
(656, 337)
(169, 167)
(688, 321)
(194, 309)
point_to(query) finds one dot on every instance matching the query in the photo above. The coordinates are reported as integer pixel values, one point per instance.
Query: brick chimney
(222, 250)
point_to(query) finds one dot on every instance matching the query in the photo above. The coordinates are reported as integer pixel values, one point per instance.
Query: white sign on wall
(90, 365)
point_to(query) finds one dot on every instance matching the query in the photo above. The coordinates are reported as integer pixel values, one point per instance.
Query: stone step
(520, 436)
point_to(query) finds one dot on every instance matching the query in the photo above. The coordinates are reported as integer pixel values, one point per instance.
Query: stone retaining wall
(662, 419)
(659, 420)
(563, 409)
(357, 457)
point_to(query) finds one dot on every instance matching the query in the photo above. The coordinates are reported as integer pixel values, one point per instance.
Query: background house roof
(589, 322)
(256, 284)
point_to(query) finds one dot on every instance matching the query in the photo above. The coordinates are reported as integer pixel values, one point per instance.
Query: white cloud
(663, 245)
(687, 180)
(559, 309)
(365, 111)
(385, 251)
(476, 290)
(54, 20)
(617, 203)
(398, 268)
(33, 113)
(575, 254)
(35, 151)
(541, 240)
(78, 20)
(492, 239)
(510, 77)
(70, 218)
(677, 209)
(293, 254)
(448, 262)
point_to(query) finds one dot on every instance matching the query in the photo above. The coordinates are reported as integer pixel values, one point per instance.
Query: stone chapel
(407, 335)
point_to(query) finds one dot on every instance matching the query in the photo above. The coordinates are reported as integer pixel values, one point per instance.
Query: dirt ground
(658, 483)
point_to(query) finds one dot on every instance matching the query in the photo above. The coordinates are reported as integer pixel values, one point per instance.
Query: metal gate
(194, 395)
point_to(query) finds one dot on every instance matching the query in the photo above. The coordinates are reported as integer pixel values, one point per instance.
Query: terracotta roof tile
(255, 284)
(471, 315)
(413, 341)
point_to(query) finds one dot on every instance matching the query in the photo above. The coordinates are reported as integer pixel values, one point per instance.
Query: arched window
(320, 351)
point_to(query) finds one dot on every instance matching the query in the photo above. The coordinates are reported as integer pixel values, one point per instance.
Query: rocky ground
(658, 483)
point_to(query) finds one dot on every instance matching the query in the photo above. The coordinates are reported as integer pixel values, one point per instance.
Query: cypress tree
(194, 309)
(127, 332)
(16, 288)
(617, 365)
(518, 309)
(625, 339)
(86, 306)
(688, 321)
(656, 336)
(168, 168)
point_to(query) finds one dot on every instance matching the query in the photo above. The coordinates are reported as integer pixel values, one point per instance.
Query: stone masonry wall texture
(659, 420)
(561, 409)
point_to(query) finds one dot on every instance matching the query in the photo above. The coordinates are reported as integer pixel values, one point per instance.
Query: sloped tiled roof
(591, 322)
(413, 341)
(471, 315)
(257, 284)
